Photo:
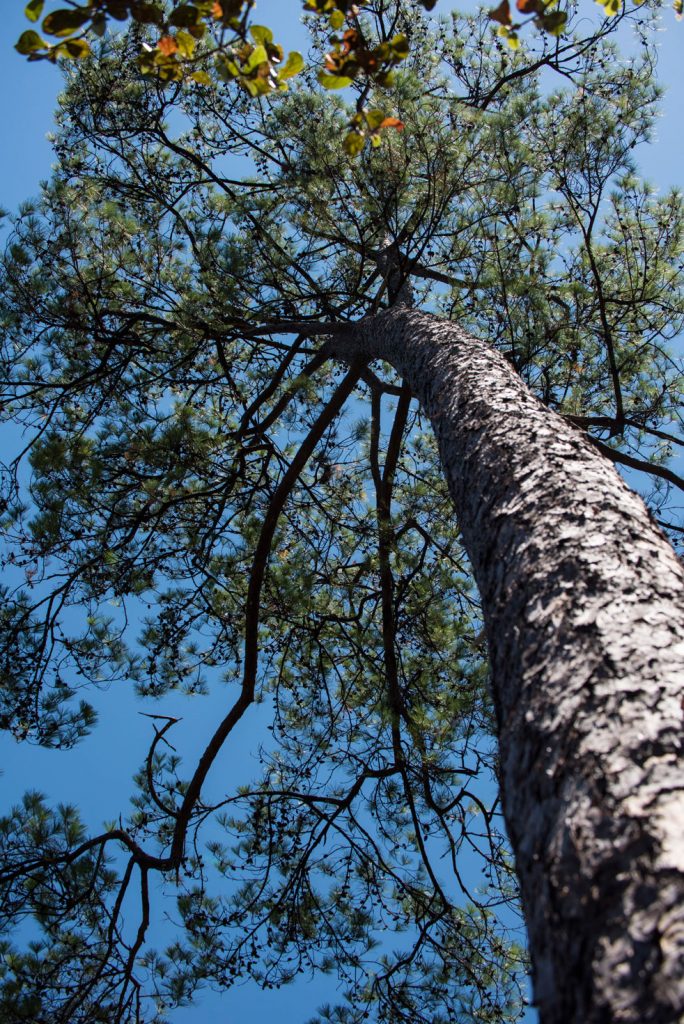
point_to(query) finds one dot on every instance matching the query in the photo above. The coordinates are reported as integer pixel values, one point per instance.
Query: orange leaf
(217, 10)
(167, 45)
(392, 122)
(502, 13)
(529, 6)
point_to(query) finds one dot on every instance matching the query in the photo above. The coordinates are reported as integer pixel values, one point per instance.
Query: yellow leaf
(34, 9)
(73, 49)
(333, 81)
(354, 143)
(292, 66)
(185, 44)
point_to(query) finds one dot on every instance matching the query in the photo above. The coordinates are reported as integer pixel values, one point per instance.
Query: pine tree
(256, 378)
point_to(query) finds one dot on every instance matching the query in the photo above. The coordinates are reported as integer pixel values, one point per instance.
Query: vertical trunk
(584, 606)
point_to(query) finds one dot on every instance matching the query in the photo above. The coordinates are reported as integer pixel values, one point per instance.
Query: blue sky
(97, 775)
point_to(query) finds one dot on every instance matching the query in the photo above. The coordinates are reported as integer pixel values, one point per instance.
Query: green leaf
(171, 72)
(118, 9)
(261, 34)
(34, 9)
(99, 25)
(202, 77)
(73, 49)
(354, 143)
(333, 81)
(258, 86)
(186, 44)
(226, 68)
(336, 20)
(185, 16)
(257, 56)
(399, 46)
(385, 79)
(148, 14)
(292, 66)
(610, 7)
(554, 22)
(374, 118)
(65, 23)
(29, 42)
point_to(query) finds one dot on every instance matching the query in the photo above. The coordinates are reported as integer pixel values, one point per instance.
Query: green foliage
(220, 27)
(223, 25)
(545, 15)
(29, 42)
(34, 9)
(350, 57)
(162, 316)
(57, 977)
(229, 51)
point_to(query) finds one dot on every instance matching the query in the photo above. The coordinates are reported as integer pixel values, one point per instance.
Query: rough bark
(584, 606)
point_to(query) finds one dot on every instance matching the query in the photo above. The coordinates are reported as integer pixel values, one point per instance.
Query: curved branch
(610, 423)
(252, 609)
(158, 735)
(645, 467)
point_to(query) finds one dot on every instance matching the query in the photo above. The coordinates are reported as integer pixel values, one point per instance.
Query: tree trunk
(583, 601)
